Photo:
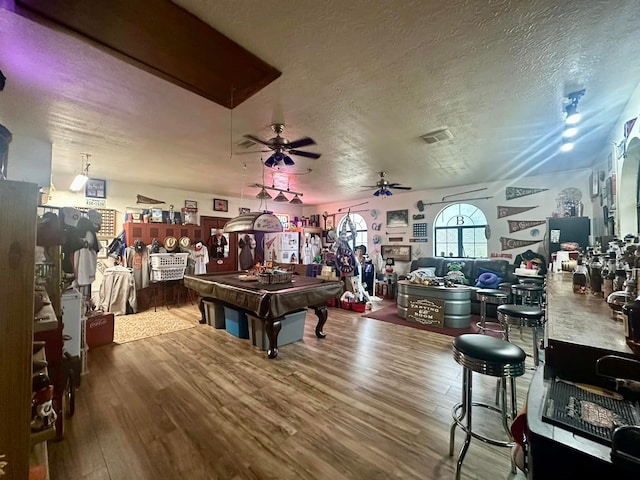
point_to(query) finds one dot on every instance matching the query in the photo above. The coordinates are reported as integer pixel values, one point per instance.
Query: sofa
(472, 268)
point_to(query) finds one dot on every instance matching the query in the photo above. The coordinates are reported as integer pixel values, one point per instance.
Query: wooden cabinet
(148, 231)
(18, 203)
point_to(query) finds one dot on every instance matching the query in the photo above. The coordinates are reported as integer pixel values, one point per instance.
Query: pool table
(268, 302)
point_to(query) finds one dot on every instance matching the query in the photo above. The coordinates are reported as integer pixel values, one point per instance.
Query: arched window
(460, 231)
(361, 229)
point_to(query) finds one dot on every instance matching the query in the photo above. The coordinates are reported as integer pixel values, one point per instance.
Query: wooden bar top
(581, 319)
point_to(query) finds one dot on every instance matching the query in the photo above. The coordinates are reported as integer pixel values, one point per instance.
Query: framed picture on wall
(398, 218)
(400, 253)
(95, 188)
(220, 205)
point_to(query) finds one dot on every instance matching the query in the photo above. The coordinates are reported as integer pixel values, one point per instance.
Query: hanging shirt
(118, 291)
(201, 257)
(139, 263)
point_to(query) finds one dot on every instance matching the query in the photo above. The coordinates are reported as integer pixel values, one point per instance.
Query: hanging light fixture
(296, 200)
(81, 179)
(280, 198)
(263, 194)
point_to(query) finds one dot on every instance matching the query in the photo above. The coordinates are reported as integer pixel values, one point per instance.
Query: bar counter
(582, 318)
(580, 329)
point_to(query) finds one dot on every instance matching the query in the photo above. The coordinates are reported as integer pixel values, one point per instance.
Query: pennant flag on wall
(517, 225)
(629, 126)
(508, 211)
(517, 192)
(511, 243)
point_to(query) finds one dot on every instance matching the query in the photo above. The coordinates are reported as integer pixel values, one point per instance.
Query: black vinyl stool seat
(520, 316)
(529, 293)
(489, 295)
(488, 356)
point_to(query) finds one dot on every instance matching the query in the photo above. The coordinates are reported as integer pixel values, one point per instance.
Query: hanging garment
(216, 244)
(138, 261)
(118, 291)
(201, 258)
(246, 255)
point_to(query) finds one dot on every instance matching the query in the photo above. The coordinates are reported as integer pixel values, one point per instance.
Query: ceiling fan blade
(257, 140)
(369, 186)
(300, 153)
(303, 142)
(400, 187)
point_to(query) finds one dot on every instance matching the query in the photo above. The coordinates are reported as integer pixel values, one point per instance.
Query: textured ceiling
(363, 80)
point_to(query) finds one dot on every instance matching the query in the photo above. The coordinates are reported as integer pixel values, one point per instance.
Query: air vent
(437, 136)
(246, 144)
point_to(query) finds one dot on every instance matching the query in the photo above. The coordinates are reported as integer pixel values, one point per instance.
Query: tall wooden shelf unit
(18, 203)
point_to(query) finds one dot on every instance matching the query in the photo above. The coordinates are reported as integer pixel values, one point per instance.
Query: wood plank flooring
(371, 401)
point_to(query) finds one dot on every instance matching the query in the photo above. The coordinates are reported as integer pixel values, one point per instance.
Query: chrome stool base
(488, 356)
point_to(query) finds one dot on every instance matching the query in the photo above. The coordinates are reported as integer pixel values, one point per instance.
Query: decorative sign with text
(426, 312)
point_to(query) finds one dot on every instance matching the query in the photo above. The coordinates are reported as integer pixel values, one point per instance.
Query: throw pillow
(488, 280)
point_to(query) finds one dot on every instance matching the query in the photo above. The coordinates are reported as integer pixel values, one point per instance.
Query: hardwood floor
(371, 401)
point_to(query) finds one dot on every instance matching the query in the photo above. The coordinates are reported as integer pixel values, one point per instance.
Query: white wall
(626, 168)
(545, 203)
(30, 160)
(121, 197)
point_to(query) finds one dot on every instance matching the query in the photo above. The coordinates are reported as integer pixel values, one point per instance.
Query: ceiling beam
(163, 39)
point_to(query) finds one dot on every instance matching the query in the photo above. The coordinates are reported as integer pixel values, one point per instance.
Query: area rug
(390, 314)
(129, 328)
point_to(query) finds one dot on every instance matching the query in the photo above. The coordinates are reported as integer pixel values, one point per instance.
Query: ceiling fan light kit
(383, 186)
(282, 147)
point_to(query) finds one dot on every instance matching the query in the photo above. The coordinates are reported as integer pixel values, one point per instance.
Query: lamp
(295, 200)
(263, 194)
(81, 179)
(280, 198)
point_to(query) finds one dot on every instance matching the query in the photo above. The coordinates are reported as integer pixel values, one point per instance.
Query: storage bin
(292, 330)
(99, 330)
(236, 323)
(214, 314)
(165, 274)
(359, 307)
(346, 305)
(168, 260)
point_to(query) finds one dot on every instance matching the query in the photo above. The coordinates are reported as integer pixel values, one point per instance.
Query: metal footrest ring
(458, 419)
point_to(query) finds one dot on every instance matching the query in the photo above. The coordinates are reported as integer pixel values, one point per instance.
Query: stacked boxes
(214, 314)
(292, 330)
(236, 322)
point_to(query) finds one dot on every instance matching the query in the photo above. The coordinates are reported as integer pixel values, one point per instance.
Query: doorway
(228, 262)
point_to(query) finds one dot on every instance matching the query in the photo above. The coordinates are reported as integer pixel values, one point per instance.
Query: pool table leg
(273, 329)
(322, 314)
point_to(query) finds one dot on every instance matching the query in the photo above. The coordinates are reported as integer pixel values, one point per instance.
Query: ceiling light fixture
(280, 197)
(566, 146)
(571, 109)
(295, 200)
(570, 132)
(81, 179)
(263, 194)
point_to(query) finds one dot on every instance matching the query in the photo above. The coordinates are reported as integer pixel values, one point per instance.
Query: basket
(168, 260)
(164, 274)
(274, 277)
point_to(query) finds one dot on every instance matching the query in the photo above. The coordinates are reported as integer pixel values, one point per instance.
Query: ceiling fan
(383, 186)
(282, 147)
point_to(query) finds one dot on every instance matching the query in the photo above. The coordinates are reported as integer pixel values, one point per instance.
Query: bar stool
(489, 295)
(488, 356)
(529, 293)
(523, 316)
